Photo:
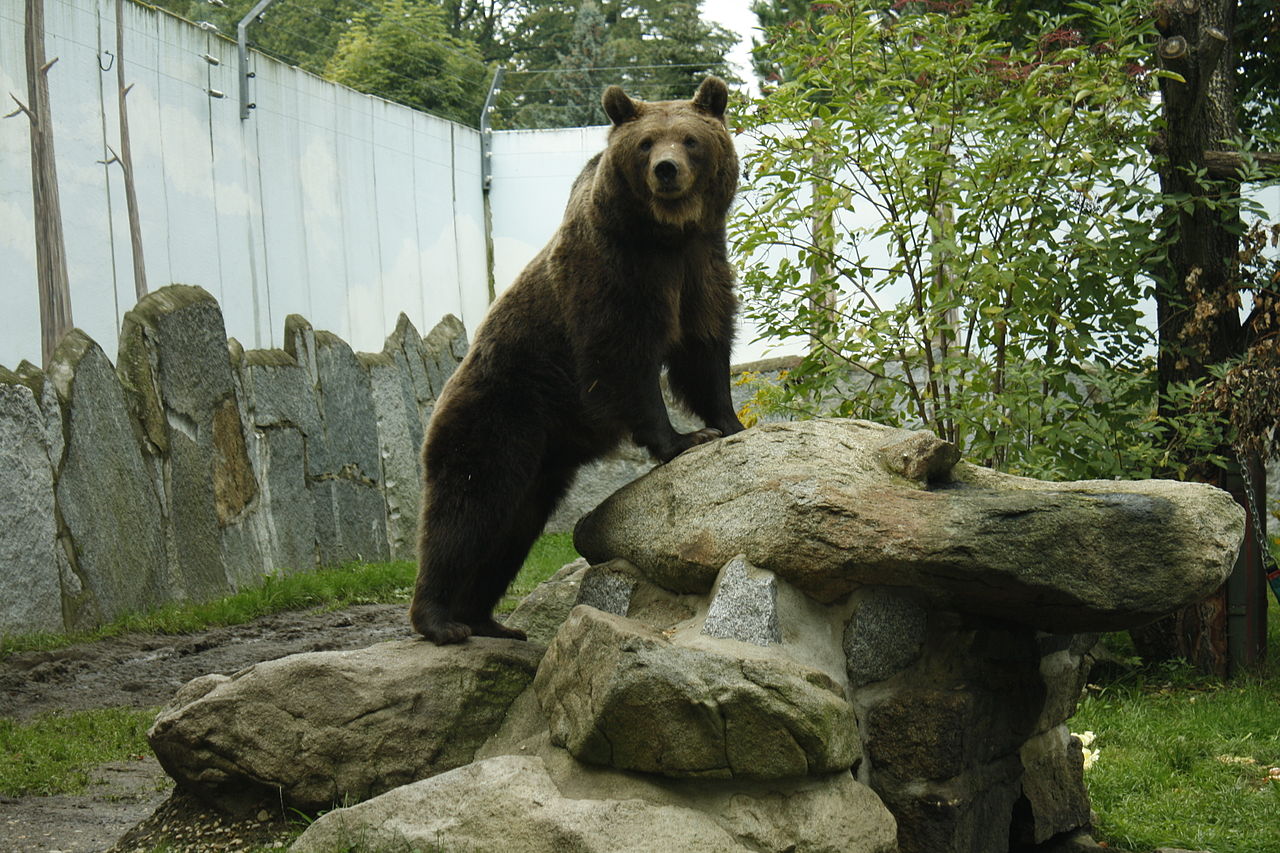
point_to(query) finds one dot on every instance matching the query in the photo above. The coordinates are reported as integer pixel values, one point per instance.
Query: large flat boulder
(519, 805)
(322, 728)
(830, 505)
(510, 804)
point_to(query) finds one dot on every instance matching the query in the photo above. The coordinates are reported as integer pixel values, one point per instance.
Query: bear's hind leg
(429, 612)
(491, 584)
(526, 524)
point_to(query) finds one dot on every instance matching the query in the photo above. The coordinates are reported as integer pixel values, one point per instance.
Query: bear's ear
(618, 106)
(712, 97)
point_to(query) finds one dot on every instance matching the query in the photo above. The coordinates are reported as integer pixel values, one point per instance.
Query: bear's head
(676, 156)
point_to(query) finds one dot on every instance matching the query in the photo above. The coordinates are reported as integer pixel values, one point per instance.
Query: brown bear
(566, 364)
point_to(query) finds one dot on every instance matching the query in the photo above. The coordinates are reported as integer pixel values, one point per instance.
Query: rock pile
(192, 467)
(818, 636)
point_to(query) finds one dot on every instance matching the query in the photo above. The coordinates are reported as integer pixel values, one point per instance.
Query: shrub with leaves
(961, 229)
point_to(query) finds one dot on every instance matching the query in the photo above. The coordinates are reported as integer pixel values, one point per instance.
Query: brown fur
(566, 364)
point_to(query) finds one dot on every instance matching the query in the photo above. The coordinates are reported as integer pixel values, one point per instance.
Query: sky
(737, 16)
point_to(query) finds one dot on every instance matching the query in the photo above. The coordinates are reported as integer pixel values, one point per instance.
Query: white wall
(325, 202)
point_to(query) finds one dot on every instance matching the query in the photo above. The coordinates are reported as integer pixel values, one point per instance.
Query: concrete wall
(192, 467)
(326, 202)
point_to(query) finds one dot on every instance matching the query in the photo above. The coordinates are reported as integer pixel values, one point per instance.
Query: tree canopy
(438, 55)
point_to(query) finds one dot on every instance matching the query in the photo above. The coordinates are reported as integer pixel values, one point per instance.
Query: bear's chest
(674, 284)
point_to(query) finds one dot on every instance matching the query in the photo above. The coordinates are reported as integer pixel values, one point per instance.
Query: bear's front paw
(693, 439)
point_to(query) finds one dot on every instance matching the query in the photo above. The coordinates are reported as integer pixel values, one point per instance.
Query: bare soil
(132, 805)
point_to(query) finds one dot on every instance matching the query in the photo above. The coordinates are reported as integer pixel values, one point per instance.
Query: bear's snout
(669, 177)
(666, 171)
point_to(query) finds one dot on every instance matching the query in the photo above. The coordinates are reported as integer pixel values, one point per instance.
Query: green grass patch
(548, 555)
(1186, 761)
(52, 754)
(357, 583)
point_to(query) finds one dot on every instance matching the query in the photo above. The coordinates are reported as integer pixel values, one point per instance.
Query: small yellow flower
(1087, 749)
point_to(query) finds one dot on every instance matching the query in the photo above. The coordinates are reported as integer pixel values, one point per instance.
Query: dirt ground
(131, 805)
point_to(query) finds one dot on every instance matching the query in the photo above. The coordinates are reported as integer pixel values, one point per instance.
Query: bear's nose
(666, 170)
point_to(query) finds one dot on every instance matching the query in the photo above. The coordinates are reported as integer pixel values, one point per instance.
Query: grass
(358, 583)
(548, 555)
(52, 753)
(1186, 761)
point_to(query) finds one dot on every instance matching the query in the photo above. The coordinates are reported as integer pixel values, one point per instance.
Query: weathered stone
(884, 636)
(1053, 785)
(319, 728)
(176, 372)
(1064, 670)
(507, 802)
(619, 694)
(444, 347)
(351, 515)
(943, 738)
(831, 812)
(969, 814)
(816, 503)
(1077, 841)
(609, 587)
(399, 445)
(405, 348)
(105, 492)
(744, 605)
(974, 697)
(544, 610)
(280, 400)
(289, 506)
(920, 456)
(510, 804)
(29, 566)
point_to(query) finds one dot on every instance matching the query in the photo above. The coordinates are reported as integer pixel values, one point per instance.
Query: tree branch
(1229, 165)
(22, 108)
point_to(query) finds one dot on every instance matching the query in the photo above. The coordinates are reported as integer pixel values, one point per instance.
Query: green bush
(961, 229)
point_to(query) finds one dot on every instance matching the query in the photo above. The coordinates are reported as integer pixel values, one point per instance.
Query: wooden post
(51, 259)
(126, 162)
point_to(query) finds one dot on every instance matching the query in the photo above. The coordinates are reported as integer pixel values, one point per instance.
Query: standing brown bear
(566, 364)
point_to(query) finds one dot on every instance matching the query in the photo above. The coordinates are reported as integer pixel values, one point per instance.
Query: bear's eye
(646, 144)
(690, 142)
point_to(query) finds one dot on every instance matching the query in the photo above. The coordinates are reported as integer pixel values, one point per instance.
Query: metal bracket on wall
(486, 129)
(242, 42)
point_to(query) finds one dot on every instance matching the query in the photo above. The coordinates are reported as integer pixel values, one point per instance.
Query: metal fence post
(242, 43)
(486, 129)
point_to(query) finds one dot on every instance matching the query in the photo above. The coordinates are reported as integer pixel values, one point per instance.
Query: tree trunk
(1197, 305)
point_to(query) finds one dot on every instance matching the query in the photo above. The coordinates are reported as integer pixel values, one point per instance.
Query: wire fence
(452, 80)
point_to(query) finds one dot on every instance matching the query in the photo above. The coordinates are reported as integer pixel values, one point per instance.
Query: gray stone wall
(192, 468)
